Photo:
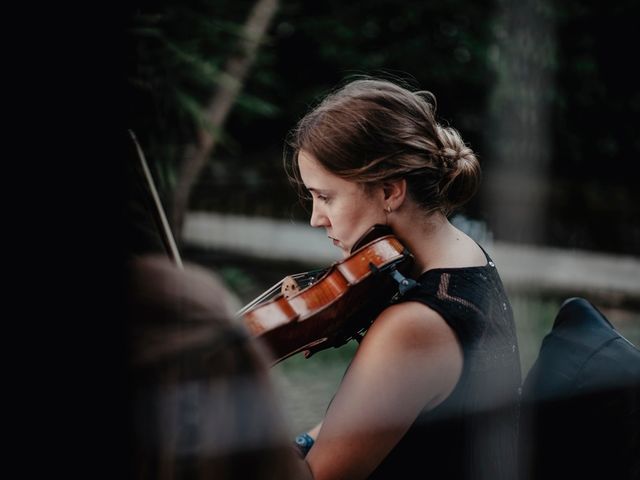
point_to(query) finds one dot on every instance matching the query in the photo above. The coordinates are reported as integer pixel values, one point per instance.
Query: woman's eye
(317, 197)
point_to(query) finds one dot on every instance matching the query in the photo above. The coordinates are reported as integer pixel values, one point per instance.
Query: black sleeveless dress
(473, 433)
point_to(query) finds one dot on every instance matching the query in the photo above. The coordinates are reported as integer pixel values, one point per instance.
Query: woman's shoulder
(410, 325)
(411, 335)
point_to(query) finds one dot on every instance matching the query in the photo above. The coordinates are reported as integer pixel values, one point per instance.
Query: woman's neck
(436, 243)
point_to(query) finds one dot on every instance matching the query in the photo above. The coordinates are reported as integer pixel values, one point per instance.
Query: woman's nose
(318, 218)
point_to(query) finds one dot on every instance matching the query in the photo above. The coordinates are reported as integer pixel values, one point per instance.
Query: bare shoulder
(410, 325)
(412, 336)
(409, 360)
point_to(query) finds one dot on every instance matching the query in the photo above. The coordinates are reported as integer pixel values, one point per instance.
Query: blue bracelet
(304, 442)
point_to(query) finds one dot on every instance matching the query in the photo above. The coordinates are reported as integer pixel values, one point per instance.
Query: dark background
(582, 50)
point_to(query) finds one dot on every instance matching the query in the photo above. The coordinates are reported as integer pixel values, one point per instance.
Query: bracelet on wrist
(304, 442)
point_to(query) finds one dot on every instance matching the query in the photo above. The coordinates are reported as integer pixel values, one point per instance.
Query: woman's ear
(395, 192)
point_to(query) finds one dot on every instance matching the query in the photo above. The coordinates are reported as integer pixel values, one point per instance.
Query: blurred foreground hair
(203, 405)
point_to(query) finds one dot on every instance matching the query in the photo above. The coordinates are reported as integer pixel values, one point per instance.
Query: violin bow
(165, 229)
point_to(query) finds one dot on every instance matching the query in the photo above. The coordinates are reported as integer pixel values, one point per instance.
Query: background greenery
(177, 50)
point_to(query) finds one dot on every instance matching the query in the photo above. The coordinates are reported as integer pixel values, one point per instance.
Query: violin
(315, 310)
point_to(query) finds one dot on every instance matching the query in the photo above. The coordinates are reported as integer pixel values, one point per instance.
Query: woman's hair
(371, 131)
(203, 405)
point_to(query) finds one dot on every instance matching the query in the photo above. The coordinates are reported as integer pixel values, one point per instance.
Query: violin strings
(261, 297)
(309, 276)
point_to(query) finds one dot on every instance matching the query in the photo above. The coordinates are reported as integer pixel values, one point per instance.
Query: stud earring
(387, 209)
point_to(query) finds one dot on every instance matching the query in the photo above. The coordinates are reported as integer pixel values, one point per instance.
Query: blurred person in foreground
(203, 406)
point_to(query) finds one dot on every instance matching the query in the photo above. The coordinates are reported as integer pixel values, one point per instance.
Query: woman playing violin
(433, 386)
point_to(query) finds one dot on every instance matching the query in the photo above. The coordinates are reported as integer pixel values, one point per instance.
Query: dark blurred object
(581, 401)
(202, 404)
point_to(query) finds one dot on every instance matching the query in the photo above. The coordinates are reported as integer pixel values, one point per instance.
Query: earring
(387, 209)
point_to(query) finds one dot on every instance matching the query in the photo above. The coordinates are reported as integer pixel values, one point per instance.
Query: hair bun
(449, 156)
(461, 179)
(373, 130)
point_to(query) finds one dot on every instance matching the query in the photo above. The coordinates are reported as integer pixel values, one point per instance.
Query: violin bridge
(289, 287)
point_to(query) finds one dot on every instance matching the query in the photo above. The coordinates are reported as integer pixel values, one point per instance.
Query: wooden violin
(315, 310)
(326, 308)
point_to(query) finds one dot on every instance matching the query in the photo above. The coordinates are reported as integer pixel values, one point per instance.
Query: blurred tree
(217, 109)
(523, 56)
(594, 200)
(176, 70)
(584, 99)
(563, 115)
(315, 46)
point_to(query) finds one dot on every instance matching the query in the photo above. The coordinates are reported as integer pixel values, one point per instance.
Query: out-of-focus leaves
(446, 47)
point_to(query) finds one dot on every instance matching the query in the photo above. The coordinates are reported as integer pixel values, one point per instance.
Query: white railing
(521, 266)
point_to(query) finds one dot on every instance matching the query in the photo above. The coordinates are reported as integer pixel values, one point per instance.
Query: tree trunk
(516, 187)
(216, 112)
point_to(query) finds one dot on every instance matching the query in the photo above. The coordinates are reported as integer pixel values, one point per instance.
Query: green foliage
(177, 53)
(178, 50)
(237, 280)
(313, 46)
(333, 357)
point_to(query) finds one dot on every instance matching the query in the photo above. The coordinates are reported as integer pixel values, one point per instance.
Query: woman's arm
(409, 360)
(315, 431)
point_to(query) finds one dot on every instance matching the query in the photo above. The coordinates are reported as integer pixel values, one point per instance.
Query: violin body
(340, 305)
